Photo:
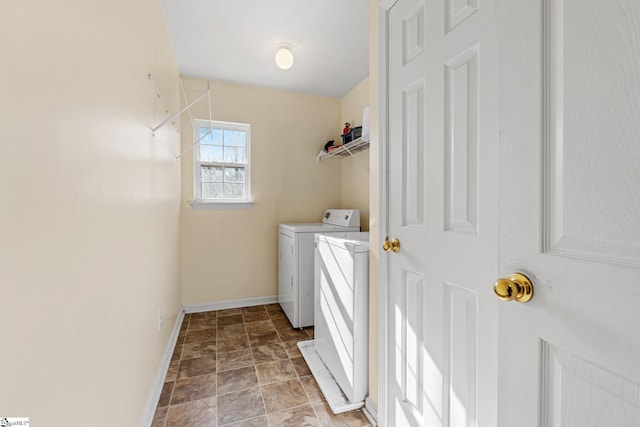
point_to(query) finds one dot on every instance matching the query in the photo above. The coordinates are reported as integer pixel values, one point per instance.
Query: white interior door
(570, 212)
(439, 98)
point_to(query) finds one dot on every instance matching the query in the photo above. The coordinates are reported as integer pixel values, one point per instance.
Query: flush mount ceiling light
(284, 56)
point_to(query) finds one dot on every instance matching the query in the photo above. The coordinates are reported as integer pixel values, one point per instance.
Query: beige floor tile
(232, 344)
(273, 307)
(301, 366)
(283, 395)
(201, 387)
(350, 419)
(206, 323)
(252, 316)
(177, 351)
(195, 367)
(229, 331)
(172, 372)
(269, 353)
(292, 335)
(228, 312)
(165, 394)
(311, 388)
(239, 405)
(196, 316)
(160, 416)
(292, 349)
(253, 308)
(230, 320)
(198, 349)
(274, 372)
(237, 379)
(282, 323)
(257, 340)
(277, 314)
(259, 327)
(235, 359)
(302, 416)
(253, 422)
(199, 335)
(196, 413)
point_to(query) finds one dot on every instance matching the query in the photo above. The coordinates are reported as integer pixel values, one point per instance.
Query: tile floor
(242, 367)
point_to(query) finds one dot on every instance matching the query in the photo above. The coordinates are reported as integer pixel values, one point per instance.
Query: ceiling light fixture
(284, 56)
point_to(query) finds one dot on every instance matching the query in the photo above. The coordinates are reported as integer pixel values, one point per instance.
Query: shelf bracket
(362, 165)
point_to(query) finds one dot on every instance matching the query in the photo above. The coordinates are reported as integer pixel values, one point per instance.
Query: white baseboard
(370, 410)
(152, 402)
(235, 303)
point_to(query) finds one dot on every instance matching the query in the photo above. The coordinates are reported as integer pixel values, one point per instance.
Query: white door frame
(383, 271)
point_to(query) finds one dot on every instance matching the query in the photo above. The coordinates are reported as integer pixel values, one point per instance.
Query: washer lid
(351, 241)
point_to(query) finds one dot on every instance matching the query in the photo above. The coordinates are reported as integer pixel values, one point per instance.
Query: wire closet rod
(193, 126)
(194, 144)
(167, 120)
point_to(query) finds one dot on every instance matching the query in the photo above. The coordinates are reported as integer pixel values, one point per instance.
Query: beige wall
(355, 179)
(374, 189)
(233, 254)
(89, 211)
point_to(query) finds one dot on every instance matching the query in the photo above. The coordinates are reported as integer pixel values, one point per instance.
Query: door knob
(515, 286)
(391, 245)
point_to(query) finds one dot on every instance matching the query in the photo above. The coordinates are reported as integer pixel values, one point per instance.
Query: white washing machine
(341, 333)
(295, 268)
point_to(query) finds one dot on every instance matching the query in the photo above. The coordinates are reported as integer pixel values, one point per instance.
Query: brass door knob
(391, 245)
(515, 286)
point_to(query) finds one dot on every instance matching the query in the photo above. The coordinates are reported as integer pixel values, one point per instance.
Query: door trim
(383, 209)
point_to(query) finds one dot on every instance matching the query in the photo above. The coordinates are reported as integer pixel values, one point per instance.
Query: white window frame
(198, 202)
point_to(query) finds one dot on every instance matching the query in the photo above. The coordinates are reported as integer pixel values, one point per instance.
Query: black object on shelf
(353, 134)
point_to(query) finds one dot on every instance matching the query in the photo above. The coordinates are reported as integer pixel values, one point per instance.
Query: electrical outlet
(160, 318)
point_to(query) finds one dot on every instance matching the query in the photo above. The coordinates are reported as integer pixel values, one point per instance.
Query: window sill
(200, 205)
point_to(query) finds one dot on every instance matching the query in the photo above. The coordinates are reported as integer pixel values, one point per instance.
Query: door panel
(460, 355)
(591, 142)
(461, 142)
(578, 393)
(413, 186)
(570, 212)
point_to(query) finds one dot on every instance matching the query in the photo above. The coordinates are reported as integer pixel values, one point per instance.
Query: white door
(570, 212)
(441, 139)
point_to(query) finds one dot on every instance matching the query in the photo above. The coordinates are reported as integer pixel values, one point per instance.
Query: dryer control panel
(342, 217)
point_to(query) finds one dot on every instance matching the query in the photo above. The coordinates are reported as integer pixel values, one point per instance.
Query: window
(221, 165)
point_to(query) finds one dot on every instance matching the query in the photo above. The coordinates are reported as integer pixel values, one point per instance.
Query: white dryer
(296, 258)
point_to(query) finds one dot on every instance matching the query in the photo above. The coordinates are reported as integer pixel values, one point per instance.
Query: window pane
(233, 191)
(211, 173)
(234, 138)
(211, 153)
(233, 155)
(205, 136)
(211, 136)
(211, 191)
(233, 174)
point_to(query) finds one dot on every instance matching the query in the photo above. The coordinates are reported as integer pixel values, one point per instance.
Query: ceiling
(236, 40)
